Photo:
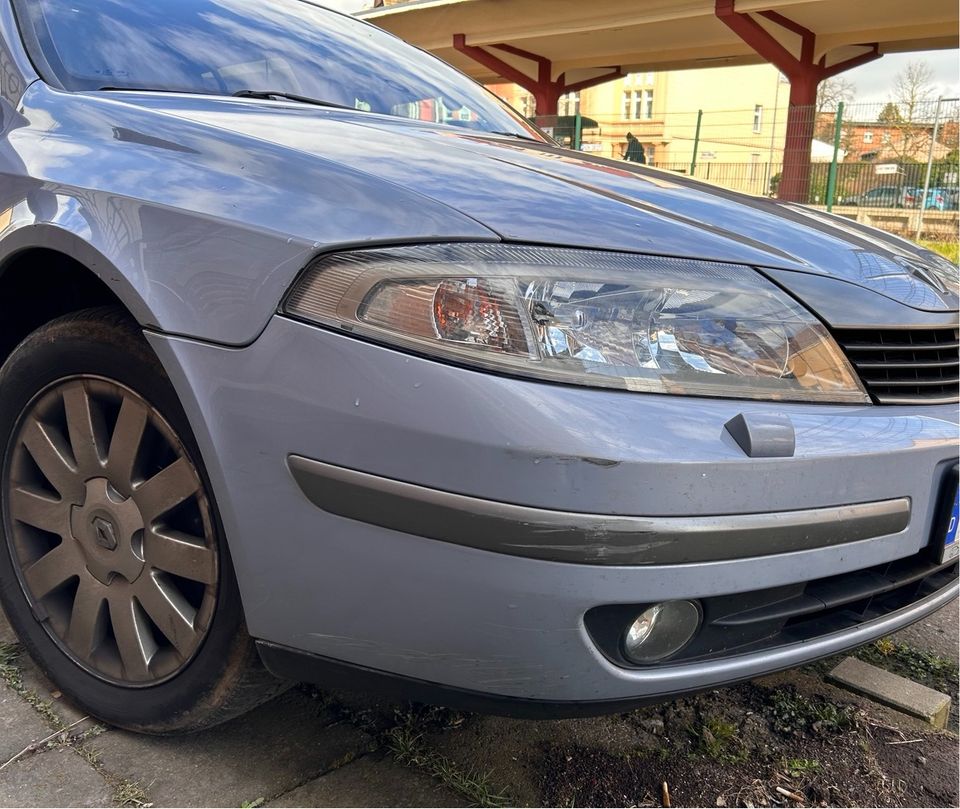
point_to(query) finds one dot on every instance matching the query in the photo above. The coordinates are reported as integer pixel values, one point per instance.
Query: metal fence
(887, 156)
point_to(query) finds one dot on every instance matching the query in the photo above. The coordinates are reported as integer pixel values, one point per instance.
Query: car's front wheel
(113, 567)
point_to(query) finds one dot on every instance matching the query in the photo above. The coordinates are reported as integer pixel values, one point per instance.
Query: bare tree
(910, 127)
(829, 95)
(834, 90)
(913, 90)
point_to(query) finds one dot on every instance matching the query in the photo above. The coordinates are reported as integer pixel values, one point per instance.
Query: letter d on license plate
(951, 548)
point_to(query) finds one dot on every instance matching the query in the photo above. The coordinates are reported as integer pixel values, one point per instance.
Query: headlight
(615, 320)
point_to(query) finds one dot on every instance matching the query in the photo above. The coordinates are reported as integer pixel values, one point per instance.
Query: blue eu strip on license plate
(951, 548)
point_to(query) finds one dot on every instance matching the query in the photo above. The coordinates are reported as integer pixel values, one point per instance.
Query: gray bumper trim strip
(596, 539)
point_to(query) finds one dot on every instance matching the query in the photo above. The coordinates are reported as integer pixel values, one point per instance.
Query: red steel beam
(546, 91)
(805, 76)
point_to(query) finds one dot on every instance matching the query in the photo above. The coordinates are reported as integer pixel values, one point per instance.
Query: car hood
(528, 191)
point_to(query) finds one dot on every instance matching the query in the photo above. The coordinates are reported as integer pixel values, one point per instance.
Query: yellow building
(742, 112)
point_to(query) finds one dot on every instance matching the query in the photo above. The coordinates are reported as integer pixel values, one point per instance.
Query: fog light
(661, 630)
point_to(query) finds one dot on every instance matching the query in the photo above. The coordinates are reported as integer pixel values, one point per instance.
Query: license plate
(951, 548)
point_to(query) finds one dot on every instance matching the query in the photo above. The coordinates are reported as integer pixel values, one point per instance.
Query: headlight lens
(641, 323)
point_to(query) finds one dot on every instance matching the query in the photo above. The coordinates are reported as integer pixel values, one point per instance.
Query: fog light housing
(660, 631)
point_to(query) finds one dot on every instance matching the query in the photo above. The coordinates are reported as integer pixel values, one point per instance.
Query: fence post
(696, 143)
(577, 130)
(832, 176)
(926, 179)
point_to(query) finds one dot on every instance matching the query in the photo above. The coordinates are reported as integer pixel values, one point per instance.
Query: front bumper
(511, 626)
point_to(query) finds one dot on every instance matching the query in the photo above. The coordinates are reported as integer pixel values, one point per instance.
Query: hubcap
(111, 530)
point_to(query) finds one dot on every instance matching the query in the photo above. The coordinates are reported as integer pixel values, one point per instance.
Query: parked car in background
(939, 199)
(884, 196)
(318, 362)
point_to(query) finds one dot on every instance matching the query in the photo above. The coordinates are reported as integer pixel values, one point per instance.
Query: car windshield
(273, 46)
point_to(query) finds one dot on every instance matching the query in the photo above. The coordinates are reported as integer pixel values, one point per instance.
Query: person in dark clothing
(634, 153)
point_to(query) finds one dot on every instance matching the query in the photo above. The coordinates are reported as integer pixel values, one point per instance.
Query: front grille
(905, 366)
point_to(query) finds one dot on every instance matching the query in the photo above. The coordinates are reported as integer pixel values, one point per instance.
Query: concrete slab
(938, 633)
(371, 781)
(57, 777)
(20, 725)
(891, 689)
(36, 681)
(266, 753)
(6, 631)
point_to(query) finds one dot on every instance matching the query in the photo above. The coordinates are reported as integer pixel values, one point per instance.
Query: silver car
(321, 363)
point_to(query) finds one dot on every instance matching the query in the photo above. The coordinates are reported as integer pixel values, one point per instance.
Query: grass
(719, 741)
(408, 748)
(948, 249)
(402, 735)
(130, 793)
(10, 674)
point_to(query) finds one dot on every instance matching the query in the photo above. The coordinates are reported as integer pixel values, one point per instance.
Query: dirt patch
(820, 745)
(736, 747)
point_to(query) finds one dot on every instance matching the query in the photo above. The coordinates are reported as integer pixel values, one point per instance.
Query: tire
(114, 571)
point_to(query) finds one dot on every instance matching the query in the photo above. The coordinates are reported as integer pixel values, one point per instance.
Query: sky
(874, 81)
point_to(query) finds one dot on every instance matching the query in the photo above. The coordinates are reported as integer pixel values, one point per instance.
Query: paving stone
(371, 781)
(936, 633)
(57, 777)
(36, 681)
(6, 631)
(891, 689)
(268, 752)
(20, 725)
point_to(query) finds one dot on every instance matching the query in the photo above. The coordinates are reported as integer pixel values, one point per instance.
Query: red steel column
(801, 123)
(805, 75)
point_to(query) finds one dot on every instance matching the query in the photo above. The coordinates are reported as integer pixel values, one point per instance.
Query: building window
(631, 105)
(651, 153)
(639, 79)
(868, 137)
(569, 104)
(527, 106)
(757, 118)
(647, 104)
(752, 170)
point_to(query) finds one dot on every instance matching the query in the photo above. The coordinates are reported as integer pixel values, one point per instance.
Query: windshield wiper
(269, 94)
(518, 135)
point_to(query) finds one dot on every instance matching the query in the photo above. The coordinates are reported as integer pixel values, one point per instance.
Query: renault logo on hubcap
(104, 533)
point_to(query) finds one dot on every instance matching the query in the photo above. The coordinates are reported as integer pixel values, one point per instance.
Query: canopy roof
(582, 39)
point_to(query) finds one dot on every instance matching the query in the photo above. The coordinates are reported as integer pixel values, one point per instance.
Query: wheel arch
(46, 272)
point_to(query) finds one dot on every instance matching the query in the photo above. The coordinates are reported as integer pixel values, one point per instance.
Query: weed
(343, 761)
(793, 713)
(718, 740)
(252, 804)
(11, 674)
(885, 647)
(129, 793)
(797, 767)
(408, 748)
(916, 664)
